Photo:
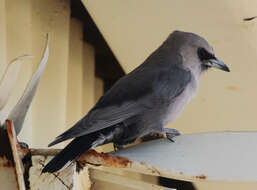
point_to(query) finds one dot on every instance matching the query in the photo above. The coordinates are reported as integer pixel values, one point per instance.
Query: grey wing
(128, 97)
(121, 102)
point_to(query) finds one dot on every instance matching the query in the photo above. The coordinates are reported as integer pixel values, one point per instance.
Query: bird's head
(195, 51)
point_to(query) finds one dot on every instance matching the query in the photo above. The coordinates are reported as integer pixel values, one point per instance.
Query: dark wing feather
(128, 96)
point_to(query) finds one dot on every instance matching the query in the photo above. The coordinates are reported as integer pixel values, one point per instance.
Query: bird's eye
(204, 55)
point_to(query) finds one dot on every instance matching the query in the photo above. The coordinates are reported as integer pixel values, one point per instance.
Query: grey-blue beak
(215, 62)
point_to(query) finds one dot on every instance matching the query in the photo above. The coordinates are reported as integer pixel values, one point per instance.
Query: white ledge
(219, 156)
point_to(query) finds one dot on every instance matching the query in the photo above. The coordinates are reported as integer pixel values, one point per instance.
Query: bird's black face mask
(209, 60)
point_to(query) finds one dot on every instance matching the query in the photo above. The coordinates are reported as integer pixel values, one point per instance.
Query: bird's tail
(72, 151)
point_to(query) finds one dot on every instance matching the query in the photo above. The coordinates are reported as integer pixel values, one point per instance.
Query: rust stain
(9, 128)
(201, 176)
(95, 158)
(8, 164)
(13, 140)
(22, 151)
(11, 150)
(147, 167)
(4, 162)
(155, 170)
(5, 151)
(232, 88)
(151, 169)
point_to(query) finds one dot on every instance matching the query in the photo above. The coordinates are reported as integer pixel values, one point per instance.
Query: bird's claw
(23, 145)
(117, 147)
(171, 133)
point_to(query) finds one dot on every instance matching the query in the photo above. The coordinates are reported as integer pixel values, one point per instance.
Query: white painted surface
(223, 156)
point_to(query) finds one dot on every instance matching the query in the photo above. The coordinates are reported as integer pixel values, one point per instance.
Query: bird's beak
(215, 62)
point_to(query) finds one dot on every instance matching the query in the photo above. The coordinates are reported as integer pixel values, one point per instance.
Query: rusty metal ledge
(109, 160)
(216, 156)
(219, 156)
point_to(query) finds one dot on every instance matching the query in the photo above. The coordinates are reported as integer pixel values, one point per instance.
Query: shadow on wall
(107, 66)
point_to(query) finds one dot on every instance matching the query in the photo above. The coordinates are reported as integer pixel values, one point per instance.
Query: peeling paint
(108, 160)
(152, 170)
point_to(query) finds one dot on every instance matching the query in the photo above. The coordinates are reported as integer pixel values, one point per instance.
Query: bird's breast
(176, 107)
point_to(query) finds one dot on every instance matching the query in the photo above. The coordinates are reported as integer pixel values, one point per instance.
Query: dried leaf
(20, 110)
(249, 18)
(10, 78)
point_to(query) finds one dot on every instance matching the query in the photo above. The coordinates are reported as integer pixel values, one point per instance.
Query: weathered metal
(11, 167)
(220, 156)
(13, 175)
(194, 157)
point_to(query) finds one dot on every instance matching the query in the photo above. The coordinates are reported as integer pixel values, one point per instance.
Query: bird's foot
(152, 136)
(23, 145)
(171, 133)
(117, 147)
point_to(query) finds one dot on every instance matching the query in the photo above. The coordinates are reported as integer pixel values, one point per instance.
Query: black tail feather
(70, 153)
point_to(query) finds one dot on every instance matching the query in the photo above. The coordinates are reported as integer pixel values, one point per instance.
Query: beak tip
(219, 64)
(226, 69)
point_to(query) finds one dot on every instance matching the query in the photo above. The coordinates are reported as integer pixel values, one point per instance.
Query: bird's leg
(152, 136)
(117, 147)
(23, 145)
(170, 133)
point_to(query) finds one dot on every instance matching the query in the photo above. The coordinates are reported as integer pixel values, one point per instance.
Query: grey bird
(143, 101)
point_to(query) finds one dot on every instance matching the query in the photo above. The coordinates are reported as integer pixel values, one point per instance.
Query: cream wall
(19, 42)
(89, 79)
(133, 29)
(225, 101)
(27, 35)
(2, 37)
(67, 89)
(75, 73)
(49, 105)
